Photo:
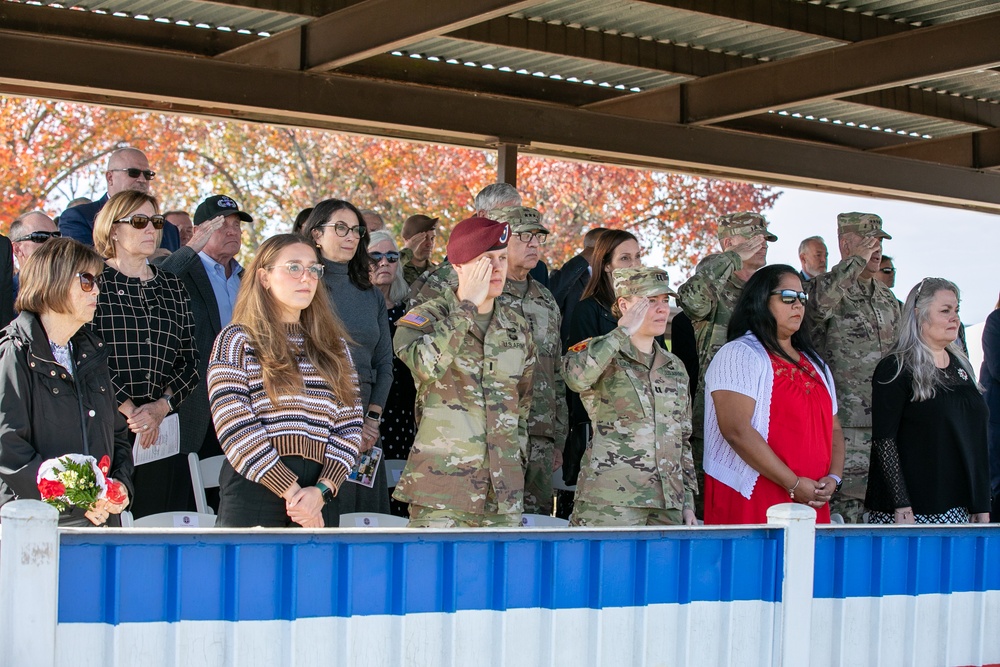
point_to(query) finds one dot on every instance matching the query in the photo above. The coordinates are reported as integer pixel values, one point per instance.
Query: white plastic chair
(393, 470)
(371, 520)
(204, 475)
(169, 520)
(542, 521)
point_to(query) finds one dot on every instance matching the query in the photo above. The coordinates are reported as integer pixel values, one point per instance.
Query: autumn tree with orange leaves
(56, 151)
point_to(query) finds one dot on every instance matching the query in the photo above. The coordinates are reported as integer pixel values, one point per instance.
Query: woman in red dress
(771, 430)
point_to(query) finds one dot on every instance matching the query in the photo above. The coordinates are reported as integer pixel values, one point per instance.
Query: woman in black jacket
(56, 396)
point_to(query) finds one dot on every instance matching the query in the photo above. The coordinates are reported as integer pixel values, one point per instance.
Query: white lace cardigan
(744, 367)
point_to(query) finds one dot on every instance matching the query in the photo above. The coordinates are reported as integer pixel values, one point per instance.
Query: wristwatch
(377, 416)
(326, 491)
(170, 403)
(837, 479)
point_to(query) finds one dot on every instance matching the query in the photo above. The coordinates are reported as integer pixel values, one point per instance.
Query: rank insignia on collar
(413, 320)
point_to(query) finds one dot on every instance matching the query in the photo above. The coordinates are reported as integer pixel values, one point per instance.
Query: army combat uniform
(473, 403)
(433, 283)
(708, 299)
(853, 325)
(638, 468)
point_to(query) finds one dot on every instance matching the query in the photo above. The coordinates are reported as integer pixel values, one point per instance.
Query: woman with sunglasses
(398, 424)
(771, 429)
(143, 316)
(930, 461)
(338, 230)
(284, 395)
(56, 395)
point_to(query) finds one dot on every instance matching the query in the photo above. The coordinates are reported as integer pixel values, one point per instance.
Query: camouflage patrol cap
(641, 281)
(746, 224)
(866, 224)
(520, 218)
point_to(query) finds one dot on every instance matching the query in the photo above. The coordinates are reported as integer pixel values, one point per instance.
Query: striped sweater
(254, 432)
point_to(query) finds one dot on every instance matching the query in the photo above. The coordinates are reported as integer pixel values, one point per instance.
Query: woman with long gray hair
(929, 454)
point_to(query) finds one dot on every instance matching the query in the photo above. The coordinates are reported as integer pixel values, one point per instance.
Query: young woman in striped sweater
(284, 394)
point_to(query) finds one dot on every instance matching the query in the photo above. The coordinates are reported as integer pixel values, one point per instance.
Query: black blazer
(6, 281)
(194, 412)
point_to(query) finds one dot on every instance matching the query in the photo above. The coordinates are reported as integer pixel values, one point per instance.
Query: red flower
(116, 492)
(105, 464)
(50, 488)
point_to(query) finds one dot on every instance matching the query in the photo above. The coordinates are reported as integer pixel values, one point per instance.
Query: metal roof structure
(897, 98)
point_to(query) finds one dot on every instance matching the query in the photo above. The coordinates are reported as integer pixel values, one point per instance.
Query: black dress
(929, 455)
(398, 427)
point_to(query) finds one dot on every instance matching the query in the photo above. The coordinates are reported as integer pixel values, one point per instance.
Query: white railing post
(29, 583)
(794, 627)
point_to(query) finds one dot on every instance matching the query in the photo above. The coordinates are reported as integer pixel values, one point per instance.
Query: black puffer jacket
(44, 411)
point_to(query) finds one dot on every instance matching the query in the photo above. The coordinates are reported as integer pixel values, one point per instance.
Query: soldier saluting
(472, 358)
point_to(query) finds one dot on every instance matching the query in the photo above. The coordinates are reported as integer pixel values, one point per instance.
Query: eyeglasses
(39, 237)
(296, 269)
(788, 296)
(392, 256)
(888, 270)
(89, 280)
(136, 173)
(525, 237)
(340, 229)
(140, 221)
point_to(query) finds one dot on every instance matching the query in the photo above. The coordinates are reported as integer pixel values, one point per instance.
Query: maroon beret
(474, 236)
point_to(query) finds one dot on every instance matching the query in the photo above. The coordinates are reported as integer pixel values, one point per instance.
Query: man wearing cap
(708, 299)
(128, 169)
(208, 268)
(473, 361)
(547, 423)
(853, 320)
(418, 238)
(639, 468)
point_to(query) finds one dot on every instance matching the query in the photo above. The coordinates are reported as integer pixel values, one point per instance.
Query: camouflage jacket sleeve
(827, 290)
(427, 336)
(700, 293)
(585, 362)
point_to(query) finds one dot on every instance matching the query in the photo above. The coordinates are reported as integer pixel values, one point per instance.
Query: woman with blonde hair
(284, 394)
(143, 316)
(929, 420)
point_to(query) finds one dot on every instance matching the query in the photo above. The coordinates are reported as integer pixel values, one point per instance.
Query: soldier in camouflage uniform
(853, 320)
(638, 469)
(473, 360)
(418, 238)
(709, 297)
(548, 421)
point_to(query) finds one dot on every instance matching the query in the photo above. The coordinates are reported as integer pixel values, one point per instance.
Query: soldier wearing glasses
(547, 423)
(128, 169)
(853, 320)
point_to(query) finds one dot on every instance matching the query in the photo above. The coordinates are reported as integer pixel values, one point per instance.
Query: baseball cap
(219, 205)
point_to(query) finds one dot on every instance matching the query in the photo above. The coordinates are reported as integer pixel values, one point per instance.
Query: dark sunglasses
(139, 221)
(40, 237)
(136, 173)
(888, 270)
(88, 280)
(392, 256)
(789, 296)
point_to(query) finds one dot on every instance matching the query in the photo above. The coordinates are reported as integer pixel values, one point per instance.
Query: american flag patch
(413, 320)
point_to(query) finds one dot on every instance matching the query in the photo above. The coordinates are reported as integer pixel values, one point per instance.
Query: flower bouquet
(77, 480)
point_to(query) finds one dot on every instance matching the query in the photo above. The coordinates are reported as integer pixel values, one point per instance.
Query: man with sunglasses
(27, 233)
(853, 319)
(547, 422)
(208, 268)
(128, 169)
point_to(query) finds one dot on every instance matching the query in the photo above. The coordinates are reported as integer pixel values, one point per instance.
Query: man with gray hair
(373, 220)
(494, 196)
(27, 233)
(812, 255)
(128, 169)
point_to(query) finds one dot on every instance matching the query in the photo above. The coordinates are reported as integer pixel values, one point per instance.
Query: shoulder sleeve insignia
(581, 346)
(413, 319)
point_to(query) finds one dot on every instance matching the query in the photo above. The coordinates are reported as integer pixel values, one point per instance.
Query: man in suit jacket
(211, 274)
(128, 169)
(6, 281)
(567, 283)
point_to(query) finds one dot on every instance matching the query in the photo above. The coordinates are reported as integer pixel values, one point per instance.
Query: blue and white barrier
(520, 597)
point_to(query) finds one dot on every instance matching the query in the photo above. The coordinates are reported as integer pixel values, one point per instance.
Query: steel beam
(507, 164)
(848, 70)
(368, 29)
(65, 69)
(975, 150)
